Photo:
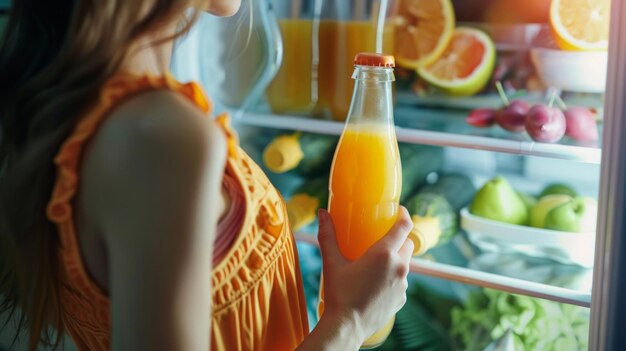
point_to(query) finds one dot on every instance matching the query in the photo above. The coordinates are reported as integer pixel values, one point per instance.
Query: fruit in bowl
(576, 215)
(558, 188)
(497, 200)
(565, 213)
(528, 200)
(539, 212)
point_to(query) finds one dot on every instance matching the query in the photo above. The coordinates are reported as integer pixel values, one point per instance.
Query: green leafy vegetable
(537, 324)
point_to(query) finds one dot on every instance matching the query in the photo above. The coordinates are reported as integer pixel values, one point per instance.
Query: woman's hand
(365, 293)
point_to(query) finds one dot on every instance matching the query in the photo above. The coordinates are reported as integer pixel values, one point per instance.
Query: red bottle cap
(376, 60)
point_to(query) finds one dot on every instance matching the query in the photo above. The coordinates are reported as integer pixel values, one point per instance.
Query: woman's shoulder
(158, 123)
(161, 116)
(151, 142)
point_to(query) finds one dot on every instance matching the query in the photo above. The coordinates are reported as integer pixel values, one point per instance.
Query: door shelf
(447, 262)
(437, 128)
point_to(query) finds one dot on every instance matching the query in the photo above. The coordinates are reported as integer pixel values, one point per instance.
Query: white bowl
(563, 247)
(579, 71)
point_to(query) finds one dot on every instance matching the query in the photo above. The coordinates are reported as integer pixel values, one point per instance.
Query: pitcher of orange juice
(319, 40)
(366, 174)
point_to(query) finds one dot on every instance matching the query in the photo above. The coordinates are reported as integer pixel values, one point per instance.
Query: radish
(513, 116)
(481, 118)
(581, 124)
(545, 124)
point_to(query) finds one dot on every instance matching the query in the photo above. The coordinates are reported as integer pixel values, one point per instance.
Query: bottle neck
(372, 98)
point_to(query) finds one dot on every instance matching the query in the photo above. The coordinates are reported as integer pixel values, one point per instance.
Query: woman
(132, 221)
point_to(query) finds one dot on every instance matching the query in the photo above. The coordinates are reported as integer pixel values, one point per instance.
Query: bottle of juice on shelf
(366, 174)
(319, 45)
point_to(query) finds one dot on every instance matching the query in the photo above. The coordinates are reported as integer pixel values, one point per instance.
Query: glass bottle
(366, 174)
(319, 41)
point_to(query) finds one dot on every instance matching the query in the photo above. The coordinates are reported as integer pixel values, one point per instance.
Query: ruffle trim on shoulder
(117, 89)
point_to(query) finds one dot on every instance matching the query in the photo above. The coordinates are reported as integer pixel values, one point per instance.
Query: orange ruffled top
(257, 292)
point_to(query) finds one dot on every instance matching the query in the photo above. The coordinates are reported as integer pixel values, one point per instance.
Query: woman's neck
(150, 58)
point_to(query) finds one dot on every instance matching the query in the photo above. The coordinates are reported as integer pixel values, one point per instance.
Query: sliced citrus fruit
(580, 24)
(466, 64)
(422, 31)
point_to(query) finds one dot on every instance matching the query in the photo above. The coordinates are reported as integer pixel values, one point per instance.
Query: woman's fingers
(328, 240)
(397, 235)
(406, 251)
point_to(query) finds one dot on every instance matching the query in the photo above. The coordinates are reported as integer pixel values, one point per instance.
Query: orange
(423, 29)
(512, 11)
(580, 24)
(466, 64)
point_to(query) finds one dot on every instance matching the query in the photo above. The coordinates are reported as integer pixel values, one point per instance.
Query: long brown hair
(56, 55)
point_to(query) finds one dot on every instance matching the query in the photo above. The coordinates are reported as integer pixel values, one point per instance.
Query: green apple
(558, 189)
(576, 215)
(497, 200)
(529, 200)
(546, 204)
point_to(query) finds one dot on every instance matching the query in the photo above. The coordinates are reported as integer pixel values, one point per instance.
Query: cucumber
(306, 200)
(456, 188)
(418, 161)
(308, 154)
(436, 211)
(318, 153)
(315, 187)
(439, 204)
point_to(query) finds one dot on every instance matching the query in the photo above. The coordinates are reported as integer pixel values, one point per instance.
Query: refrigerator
(476, 290)
(580, 276)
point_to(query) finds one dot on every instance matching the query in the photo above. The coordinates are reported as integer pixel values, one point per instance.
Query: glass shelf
(437, 127)
(459, 261)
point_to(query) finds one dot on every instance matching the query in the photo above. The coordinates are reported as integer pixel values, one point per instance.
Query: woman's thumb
(327, 239)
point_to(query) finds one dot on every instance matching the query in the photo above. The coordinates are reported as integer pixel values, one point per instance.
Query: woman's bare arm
(157, 166)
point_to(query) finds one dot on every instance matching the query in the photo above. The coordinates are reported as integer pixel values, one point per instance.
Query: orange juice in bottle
(342, 40)
(293, 89)
(316, 61)
(365, 178)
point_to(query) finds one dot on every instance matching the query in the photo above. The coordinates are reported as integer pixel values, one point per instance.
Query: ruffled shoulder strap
(114, 92)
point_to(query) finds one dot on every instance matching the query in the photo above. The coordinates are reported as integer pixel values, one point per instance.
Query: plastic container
(319, 42)
(563, 247)
(577, 71)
